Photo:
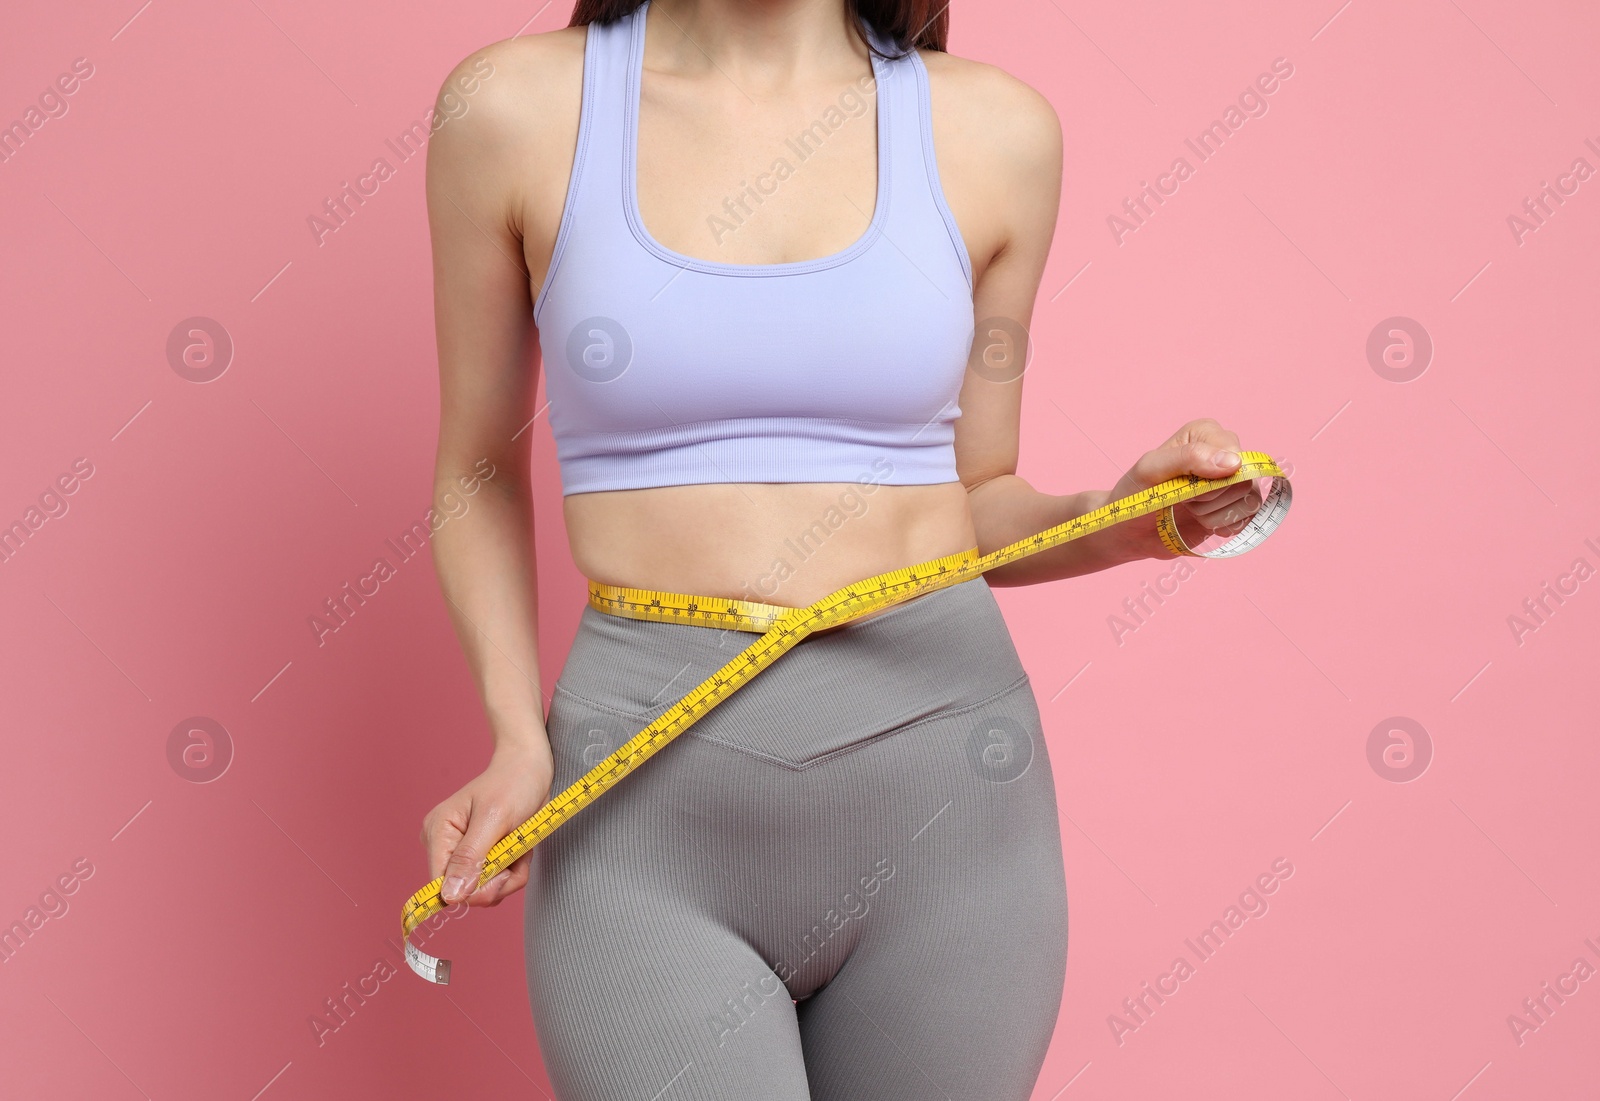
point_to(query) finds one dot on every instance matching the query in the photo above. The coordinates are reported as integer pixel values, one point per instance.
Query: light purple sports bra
(663, 369)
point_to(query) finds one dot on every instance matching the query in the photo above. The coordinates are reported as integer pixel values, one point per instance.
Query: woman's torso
(698, 141)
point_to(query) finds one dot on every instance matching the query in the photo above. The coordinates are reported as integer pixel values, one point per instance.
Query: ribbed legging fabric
(845, 882)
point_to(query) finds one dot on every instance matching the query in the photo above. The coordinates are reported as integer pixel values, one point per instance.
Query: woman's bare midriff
(788, 544)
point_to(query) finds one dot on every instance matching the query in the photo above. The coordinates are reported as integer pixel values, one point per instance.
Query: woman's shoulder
(506, 128)
(991, 108)
(535, 56)
(998, 145)
(520, 90)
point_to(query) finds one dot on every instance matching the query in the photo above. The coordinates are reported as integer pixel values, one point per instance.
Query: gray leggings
(845, 882)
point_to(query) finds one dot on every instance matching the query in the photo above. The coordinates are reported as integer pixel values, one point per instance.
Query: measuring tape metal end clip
(781, 628)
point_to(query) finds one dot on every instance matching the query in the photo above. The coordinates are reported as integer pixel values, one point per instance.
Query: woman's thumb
(1200, 459)
(1223, 461)
(1207, 460)
(461, 871)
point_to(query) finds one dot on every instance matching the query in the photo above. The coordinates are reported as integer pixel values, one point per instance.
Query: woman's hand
(459, 832)
(1201, 447)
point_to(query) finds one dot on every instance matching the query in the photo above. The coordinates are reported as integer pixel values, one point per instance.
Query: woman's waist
(778, 544)
(949, 648)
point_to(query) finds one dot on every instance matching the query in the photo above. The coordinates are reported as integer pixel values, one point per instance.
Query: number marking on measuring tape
(782, 628)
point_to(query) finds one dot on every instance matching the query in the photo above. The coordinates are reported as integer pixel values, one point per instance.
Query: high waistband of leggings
(948, 648)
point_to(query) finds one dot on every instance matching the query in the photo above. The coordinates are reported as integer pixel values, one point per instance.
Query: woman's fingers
(1224, 526)
(442, 831)
(506, 883)
(491, 892)
(1226, 505)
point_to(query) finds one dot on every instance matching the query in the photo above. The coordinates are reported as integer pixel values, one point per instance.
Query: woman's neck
(757, 44)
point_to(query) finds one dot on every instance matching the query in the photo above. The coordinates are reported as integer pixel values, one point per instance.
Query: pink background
(1230, 729)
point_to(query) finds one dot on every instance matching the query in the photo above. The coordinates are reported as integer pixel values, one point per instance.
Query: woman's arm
(485, 565)
(1006, 140)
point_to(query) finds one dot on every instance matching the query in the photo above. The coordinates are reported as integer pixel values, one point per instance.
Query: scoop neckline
(630, 177)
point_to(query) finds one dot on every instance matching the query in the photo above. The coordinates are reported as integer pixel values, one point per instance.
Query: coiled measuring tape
(782, 628)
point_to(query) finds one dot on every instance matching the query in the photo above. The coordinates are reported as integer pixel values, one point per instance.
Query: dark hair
(908, 23)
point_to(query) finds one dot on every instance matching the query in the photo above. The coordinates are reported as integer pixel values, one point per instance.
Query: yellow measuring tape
(781, 628)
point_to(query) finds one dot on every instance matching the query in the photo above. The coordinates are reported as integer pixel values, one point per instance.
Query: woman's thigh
(640, 986)
(639, 997)
(954, 984)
